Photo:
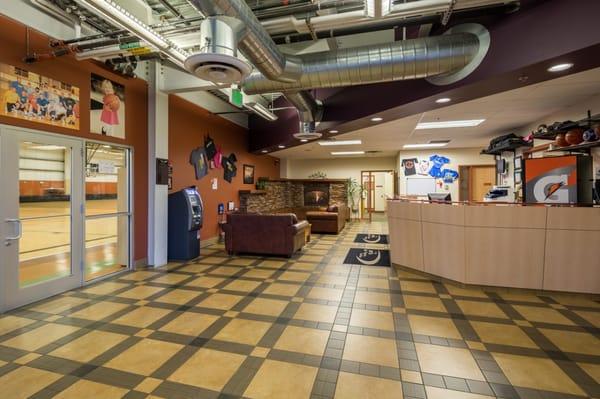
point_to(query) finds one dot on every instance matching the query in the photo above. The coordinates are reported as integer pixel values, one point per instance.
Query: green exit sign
(237, 98)
(127, 46)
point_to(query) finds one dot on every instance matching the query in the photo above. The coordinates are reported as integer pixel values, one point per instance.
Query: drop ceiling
(508, 112)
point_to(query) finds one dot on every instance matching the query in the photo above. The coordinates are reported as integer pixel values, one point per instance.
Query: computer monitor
(439, 197)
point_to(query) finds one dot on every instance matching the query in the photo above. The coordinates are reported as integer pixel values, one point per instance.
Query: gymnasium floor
(44, 248)
(306, 327)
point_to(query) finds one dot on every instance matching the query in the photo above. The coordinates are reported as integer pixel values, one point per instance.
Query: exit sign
(237, 98)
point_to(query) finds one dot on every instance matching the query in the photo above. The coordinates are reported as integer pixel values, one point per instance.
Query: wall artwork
(248, 174)
(316, 194)
(29, 96)
(107, 107)
(199, 162)
(409, 166)
(229, 167)
(423, 167)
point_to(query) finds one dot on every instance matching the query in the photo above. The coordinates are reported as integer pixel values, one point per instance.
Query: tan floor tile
(417, 286)
(261, 352)
(536, 373)
(593, 370)
(521, 297)
(405, 274)
(372, 298)
(27, 358)
(336, 269)
(454, 362)
(39, 337)
(303, 340)
(90, 389)
(542, 315)
(141, 317)
(220, 301)
(434, 326)
(178, 296)
(328, 294)
(372, 319)
(380, 283)
(209, 369)
(313, 251)
(195, 268)
(10, 323)
(411, 376)
(89, 346)
(502, 334)
(59, 305)
(476, 345)
(231, 314)
(281, 380)
(592, 317)
(309, 267)
(376, 271)
(332, 279)
(460, 291)
(105, 288)
(356, 386)
(99, 311)
(205, 282)
(171, 278)
(282, 289)
(148, 385)
(241, 261)
(142, 302)
(440, 393)
(574, 342)
(226, 270)
(242, 285)
(212, 260)
(23, 382)
(140, 292)
(314, 312)
(243, 331)
(576, 300)
(189, 323)
(145, 357)
(144, 333)
(259, 273)
(139, 275)
(374, 350)
(293, 276)
(53, 318)
(424, 303)
(272, 264)
(397, 309)
(269, 307)
(485, 309)
(311, 258)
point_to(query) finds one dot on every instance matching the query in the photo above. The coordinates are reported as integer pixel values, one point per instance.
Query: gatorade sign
(551, 180)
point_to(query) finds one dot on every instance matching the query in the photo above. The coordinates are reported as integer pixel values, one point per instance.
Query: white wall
(458, 157)
(337, 168)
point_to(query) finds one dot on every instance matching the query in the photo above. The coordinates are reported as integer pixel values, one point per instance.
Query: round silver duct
(217, 60)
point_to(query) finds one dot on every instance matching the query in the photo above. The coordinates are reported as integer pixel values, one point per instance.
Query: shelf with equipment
(584, 147)
(511, 147)
(549, 132)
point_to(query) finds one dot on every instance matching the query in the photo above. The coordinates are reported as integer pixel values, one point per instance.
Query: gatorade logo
(552, 189)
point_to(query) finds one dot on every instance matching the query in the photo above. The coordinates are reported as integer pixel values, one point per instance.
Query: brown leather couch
(280, 234)
(330, 221)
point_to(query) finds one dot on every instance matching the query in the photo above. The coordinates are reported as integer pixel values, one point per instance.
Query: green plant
(261, 183)
(355, 190)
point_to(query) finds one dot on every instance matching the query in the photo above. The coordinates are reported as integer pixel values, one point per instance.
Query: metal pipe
(308, 108)
(409, 59)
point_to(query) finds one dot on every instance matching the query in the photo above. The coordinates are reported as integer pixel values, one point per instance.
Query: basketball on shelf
(590, 135)
(560, 140)
(574, 136)
(113, 102)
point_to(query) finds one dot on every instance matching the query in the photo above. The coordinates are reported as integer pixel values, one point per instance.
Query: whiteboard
(420, 186)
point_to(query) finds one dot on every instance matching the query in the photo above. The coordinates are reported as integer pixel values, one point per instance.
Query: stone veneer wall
(287, 194)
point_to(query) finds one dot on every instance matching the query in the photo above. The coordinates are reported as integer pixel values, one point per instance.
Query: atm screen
(196, 209)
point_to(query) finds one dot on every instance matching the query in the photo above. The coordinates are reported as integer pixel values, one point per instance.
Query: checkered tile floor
(306, 327)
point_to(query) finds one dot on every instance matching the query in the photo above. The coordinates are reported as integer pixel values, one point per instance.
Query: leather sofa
(330, 221)
(279, 234)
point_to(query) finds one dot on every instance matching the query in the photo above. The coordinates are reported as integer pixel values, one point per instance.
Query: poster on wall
(107, 107)
(409, 166)
(29, 96)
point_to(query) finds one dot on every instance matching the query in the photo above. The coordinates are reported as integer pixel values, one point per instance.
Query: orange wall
(69, 70)
(188, 124)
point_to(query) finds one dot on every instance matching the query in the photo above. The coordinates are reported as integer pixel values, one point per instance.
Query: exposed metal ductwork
(309, 111)
(409, 59)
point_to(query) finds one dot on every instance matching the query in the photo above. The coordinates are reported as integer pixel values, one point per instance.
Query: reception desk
(534, 247)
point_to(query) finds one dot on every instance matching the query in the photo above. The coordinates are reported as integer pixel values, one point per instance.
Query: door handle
(8, 240)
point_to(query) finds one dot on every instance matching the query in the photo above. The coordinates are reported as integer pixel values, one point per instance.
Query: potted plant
(355, 190)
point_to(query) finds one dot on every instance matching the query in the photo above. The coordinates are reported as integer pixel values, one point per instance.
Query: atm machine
(185, 221)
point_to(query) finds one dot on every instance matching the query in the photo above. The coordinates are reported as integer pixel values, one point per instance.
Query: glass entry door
(41, 215)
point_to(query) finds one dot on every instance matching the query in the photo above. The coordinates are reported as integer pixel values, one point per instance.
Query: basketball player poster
(107, 107)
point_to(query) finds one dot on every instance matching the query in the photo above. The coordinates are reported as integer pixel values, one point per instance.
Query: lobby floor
(306, 327)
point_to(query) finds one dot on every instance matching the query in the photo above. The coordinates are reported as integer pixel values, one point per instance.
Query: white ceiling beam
(176, 81)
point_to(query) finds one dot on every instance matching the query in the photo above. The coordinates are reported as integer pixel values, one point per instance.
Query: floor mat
(368, 257)
(371, 238)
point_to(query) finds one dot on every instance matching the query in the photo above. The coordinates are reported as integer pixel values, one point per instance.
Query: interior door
(482, 180)
(41, 233)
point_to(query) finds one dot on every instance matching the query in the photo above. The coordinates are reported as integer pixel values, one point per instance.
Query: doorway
(377, 186)
(55, 233)
(475, 181)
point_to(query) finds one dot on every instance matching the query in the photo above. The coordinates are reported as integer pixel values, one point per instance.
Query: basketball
(574, 136)
(560, 140)
(113, 102)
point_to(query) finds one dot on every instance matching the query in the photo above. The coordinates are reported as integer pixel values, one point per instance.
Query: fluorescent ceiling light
(264, 151)
(443, 100)
(347, 152)
(341, 142)
(449, 124)
(333, 131)
(376, 119)
(425, 145)
(280, 146)
(303, 140)
(261, 110)
(560, 67)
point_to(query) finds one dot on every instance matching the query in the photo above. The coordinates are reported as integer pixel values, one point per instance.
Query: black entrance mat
(371, 238)
(368, 257)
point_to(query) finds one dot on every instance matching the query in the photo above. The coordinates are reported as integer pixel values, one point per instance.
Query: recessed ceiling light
(303, 140)
(280, 146)
(376, 119)
(333, 131)
(560, 67)
(443, 100)
(341, 142)
(264, 151)
(449, 124)
(347, 152)
(424, 145)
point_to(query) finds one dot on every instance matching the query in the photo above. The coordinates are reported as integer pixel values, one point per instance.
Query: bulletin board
(420, 186)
